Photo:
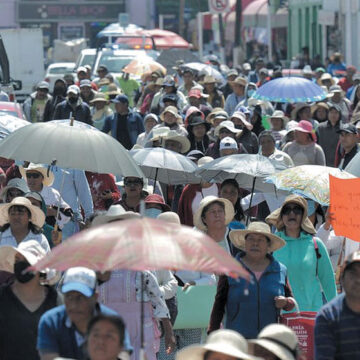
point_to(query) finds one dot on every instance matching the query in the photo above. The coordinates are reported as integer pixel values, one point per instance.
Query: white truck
(24, 48)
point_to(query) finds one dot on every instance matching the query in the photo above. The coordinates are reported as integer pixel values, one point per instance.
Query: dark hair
(33, 228)
(206, 208)
(117, 321)
(267, 238)
(239, 212)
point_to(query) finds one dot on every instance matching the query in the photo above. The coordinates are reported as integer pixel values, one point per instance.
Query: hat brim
(164, 207)
(47, 181)
(37, 215)
(237, 237)
(207, 125)
(232, 130)
(229, 213)
(275, 217)
(104, 219)
(75, 286)
(278, 350)
(97, 100)
(184, 141)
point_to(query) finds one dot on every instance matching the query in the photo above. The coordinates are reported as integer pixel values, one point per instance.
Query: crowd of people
(285, 242)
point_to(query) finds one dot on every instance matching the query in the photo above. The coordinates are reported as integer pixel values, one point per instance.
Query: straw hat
(210, 117)
(239, 81)
(279, 340)
(172, 110)
(115, 212)
(228, 124)
(169, 216)
(47, 174)
(31, 250)
(237, 237)
(317, 106)
(99, 97)
(298, 107)
(113, 90)
(241, 116)
(224, 341)
(37, 216)
(209, 79)
(183, 140)
(327, 76)
(278, 114)
(275, 217)
(207, 200)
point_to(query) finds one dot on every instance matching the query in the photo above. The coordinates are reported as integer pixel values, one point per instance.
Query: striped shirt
(337, 332)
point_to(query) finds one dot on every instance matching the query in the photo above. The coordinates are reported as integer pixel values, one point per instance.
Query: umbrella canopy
(165, 39)
(142, 244)
(210, 70)
(76, 147)
(143, 64)
(166, 166)
(249, 170)
(9, 124)
(311, 181)
(290, 90)
(353, 167)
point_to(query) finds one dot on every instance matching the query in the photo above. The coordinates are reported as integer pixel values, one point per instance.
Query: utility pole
(237, 47)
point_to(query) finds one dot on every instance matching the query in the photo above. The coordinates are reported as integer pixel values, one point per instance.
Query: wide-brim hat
(280, 340)
(224, 341)
(306, 127)
(241, 116)
(99, 97)
(326, 76)
(198, 120)
(335, 89)
(209, 79)
(237, 237)
(278, 114)
(37, 215)
(210, 117)
(172, 110)
(113, 90)
(156, 199)
(228, 124)
(183, 140)
(229, 211)
(158, 132)
(115, 212)
(31, 250)
(298, 107)
(239, 81)
(275, 217)
(15, 183)
(317, 106)
(47, 174)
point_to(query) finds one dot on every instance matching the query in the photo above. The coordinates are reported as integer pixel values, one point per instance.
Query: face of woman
(334, 115)
(104, 341)
(301, 137)
(291, 215)
(214, 216)
(321, 113)
(219, 356)
(304, 114)
(261, 352)
(18, 217)
(256, 245)
(230, 193)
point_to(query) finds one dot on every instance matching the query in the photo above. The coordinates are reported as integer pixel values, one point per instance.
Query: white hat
(228, 125)
(279, 340)
(246, 66)
(183, 140)
(169, 216)
(159, 132)
(224, 341)
(81, 69)
(115, 212)
(228, 143)
(237, 237)
(37, 215)
(241, 116)
(80, 279)
(207, 200)
(173, 110)
(31, 250)
(204, 160)
(47, 174)
(74, 89)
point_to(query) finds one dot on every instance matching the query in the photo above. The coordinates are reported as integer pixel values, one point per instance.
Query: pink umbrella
(142, 244)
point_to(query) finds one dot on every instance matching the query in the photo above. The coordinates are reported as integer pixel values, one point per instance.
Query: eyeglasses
(297, 210)
(132, 182)
(33, 175)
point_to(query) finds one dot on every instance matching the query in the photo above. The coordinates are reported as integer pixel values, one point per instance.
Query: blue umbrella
(290, 90)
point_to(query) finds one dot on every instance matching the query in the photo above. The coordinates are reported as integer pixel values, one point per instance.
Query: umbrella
(142, 244)
(249, 170)
(210, 70)
(76, 147)
(290, 90)
(166, 166)
(353, 167)
(311, 181)
(143, 64)
(9, 124)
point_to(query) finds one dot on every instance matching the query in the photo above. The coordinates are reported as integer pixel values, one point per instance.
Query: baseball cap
(80, 279)
(81, 69)
(73, 89)
(85, 82)
(120, 99)
(43, 85)
(348, 128)
(228, 143)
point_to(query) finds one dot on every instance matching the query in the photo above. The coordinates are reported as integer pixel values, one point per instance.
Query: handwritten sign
(345, 204)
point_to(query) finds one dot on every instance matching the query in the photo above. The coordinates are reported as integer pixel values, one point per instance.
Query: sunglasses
(132, 182)
(32, 175)
(297, 210)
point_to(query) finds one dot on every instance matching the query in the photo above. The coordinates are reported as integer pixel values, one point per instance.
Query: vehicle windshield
(87, 60)
(115, 63)
(60, 70)
(8, 112)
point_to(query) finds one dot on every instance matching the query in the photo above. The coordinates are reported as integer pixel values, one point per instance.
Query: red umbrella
(165, 39)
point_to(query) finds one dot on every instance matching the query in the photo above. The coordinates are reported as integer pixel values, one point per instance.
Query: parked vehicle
(11, 108)
(58, 70)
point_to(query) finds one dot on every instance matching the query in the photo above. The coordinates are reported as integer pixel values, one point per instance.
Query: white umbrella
(208, 69)
(353, 167)
(166, 166)
(9, 124)
(76, 147)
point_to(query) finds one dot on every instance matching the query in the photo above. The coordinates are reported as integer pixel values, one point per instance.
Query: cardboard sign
(345, 204)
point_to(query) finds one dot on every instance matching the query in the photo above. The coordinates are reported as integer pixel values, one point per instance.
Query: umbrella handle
(251, 197)
(156, 174)
(142, 342)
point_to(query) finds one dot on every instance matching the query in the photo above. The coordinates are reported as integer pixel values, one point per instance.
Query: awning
(255, 15)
